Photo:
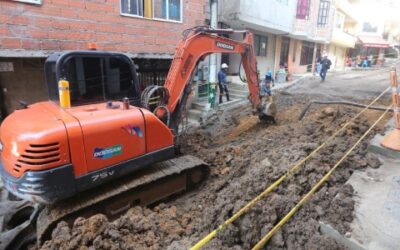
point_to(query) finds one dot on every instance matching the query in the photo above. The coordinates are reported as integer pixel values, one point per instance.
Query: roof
(373, 41)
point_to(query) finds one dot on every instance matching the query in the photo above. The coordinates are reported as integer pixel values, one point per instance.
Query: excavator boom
(196, 44)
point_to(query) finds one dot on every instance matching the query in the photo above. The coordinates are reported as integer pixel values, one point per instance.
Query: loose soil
(245, 157)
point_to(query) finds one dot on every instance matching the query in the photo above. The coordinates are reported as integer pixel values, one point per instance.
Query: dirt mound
(245, 157)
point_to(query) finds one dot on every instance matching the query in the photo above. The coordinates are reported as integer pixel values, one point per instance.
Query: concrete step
(238, 96)
(227, 105)
(239, 92)
(194, 114)
(240, 87)
(199, 105)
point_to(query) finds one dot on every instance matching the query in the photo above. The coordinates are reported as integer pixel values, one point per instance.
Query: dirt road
(358, 84)
(245, 157)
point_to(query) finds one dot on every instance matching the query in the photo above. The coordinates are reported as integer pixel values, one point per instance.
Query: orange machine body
(90, 138)
(52, 151)
(80, 131)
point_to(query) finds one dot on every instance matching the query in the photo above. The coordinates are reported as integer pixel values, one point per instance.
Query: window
(368, 27)
(307, 50)
(339, 22)
(132, 7)
(167, 10)
(303, 9)
(260, 45)
(94, 79)
(30, 1)
(323, 12)
(170, 10)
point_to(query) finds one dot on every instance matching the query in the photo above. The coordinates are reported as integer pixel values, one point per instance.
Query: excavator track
(148, 186)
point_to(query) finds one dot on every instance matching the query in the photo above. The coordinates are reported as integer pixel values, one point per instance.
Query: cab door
(111, 136)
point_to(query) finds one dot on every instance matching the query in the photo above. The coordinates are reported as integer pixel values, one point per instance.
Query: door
(111, 135)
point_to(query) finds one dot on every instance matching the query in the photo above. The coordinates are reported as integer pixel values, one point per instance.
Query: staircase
(238, 93)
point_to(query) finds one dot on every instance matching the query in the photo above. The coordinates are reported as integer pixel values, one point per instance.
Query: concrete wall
(296, 67)
(70, 25)
(337, 55)
(263, 15)
(267, 13)
(25, 82)
(264, 63)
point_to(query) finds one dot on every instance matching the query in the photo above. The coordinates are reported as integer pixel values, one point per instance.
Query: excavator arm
(200, 42)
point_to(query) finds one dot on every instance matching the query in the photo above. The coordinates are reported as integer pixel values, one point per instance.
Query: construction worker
(222, 82)
(325, 65)
(267, 82)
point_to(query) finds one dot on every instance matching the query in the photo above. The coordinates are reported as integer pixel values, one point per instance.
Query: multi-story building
(370, 31)
(344, 32)
(271, 22)
(293, 34)
(312, 30)
(30, 30)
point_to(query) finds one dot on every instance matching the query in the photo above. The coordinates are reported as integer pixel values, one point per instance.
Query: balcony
(267, 16)
(348, 9)
(343, 39)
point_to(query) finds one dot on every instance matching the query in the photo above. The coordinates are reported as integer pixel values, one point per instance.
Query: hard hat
(224, 66)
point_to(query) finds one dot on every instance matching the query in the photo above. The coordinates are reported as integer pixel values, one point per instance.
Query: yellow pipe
(306, 197)
(64, 94)
(244, 209)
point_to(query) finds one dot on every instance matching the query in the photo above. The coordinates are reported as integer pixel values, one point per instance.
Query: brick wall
(71, 24)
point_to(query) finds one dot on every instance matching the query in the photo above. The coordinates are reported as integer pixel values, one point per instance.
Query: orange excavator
(100, 130)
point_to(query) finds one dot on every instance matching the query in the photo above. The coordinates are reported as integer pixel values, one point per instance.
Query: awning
(373, 42)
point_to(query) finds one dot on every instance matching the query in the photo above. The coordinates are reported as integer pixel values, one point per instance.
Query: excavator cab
(93, 76)
(51, 152)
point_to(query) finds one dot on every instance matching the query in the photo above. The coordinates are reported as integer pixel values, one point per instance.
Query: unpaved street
(351, 84)
(245, 157)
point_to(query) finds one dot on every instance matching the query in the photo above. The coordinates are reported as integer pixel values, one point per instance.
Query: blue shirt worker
(223, 83)
(325, 66)
(268, 82)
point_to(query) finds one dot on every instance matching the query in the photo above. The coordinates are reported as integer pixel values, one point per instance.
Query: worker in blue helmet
(268, 83)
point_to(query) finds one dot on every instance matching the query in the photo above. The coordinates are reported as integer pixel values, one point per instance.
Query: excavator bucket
(268, 110)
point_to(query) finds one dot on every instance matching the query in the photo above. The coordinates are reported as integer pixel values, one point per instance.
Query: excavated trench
(245, 157)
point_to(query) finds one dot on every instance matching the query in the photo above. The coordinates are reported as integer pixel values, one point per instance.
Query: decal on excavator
(133, 130)
(225, 46)
(105, 153)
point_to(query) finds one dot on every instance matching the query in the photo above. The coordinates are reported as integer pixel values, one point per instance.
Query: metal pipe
(354, 104)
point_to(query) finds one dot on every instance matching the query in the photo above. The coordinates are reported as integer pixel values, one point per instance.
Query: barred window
(260, 45)
(323, 12)
(303, 9)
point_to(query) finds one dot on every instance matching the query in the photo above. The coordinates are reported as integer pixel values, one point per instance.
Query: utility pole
(213, 57)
